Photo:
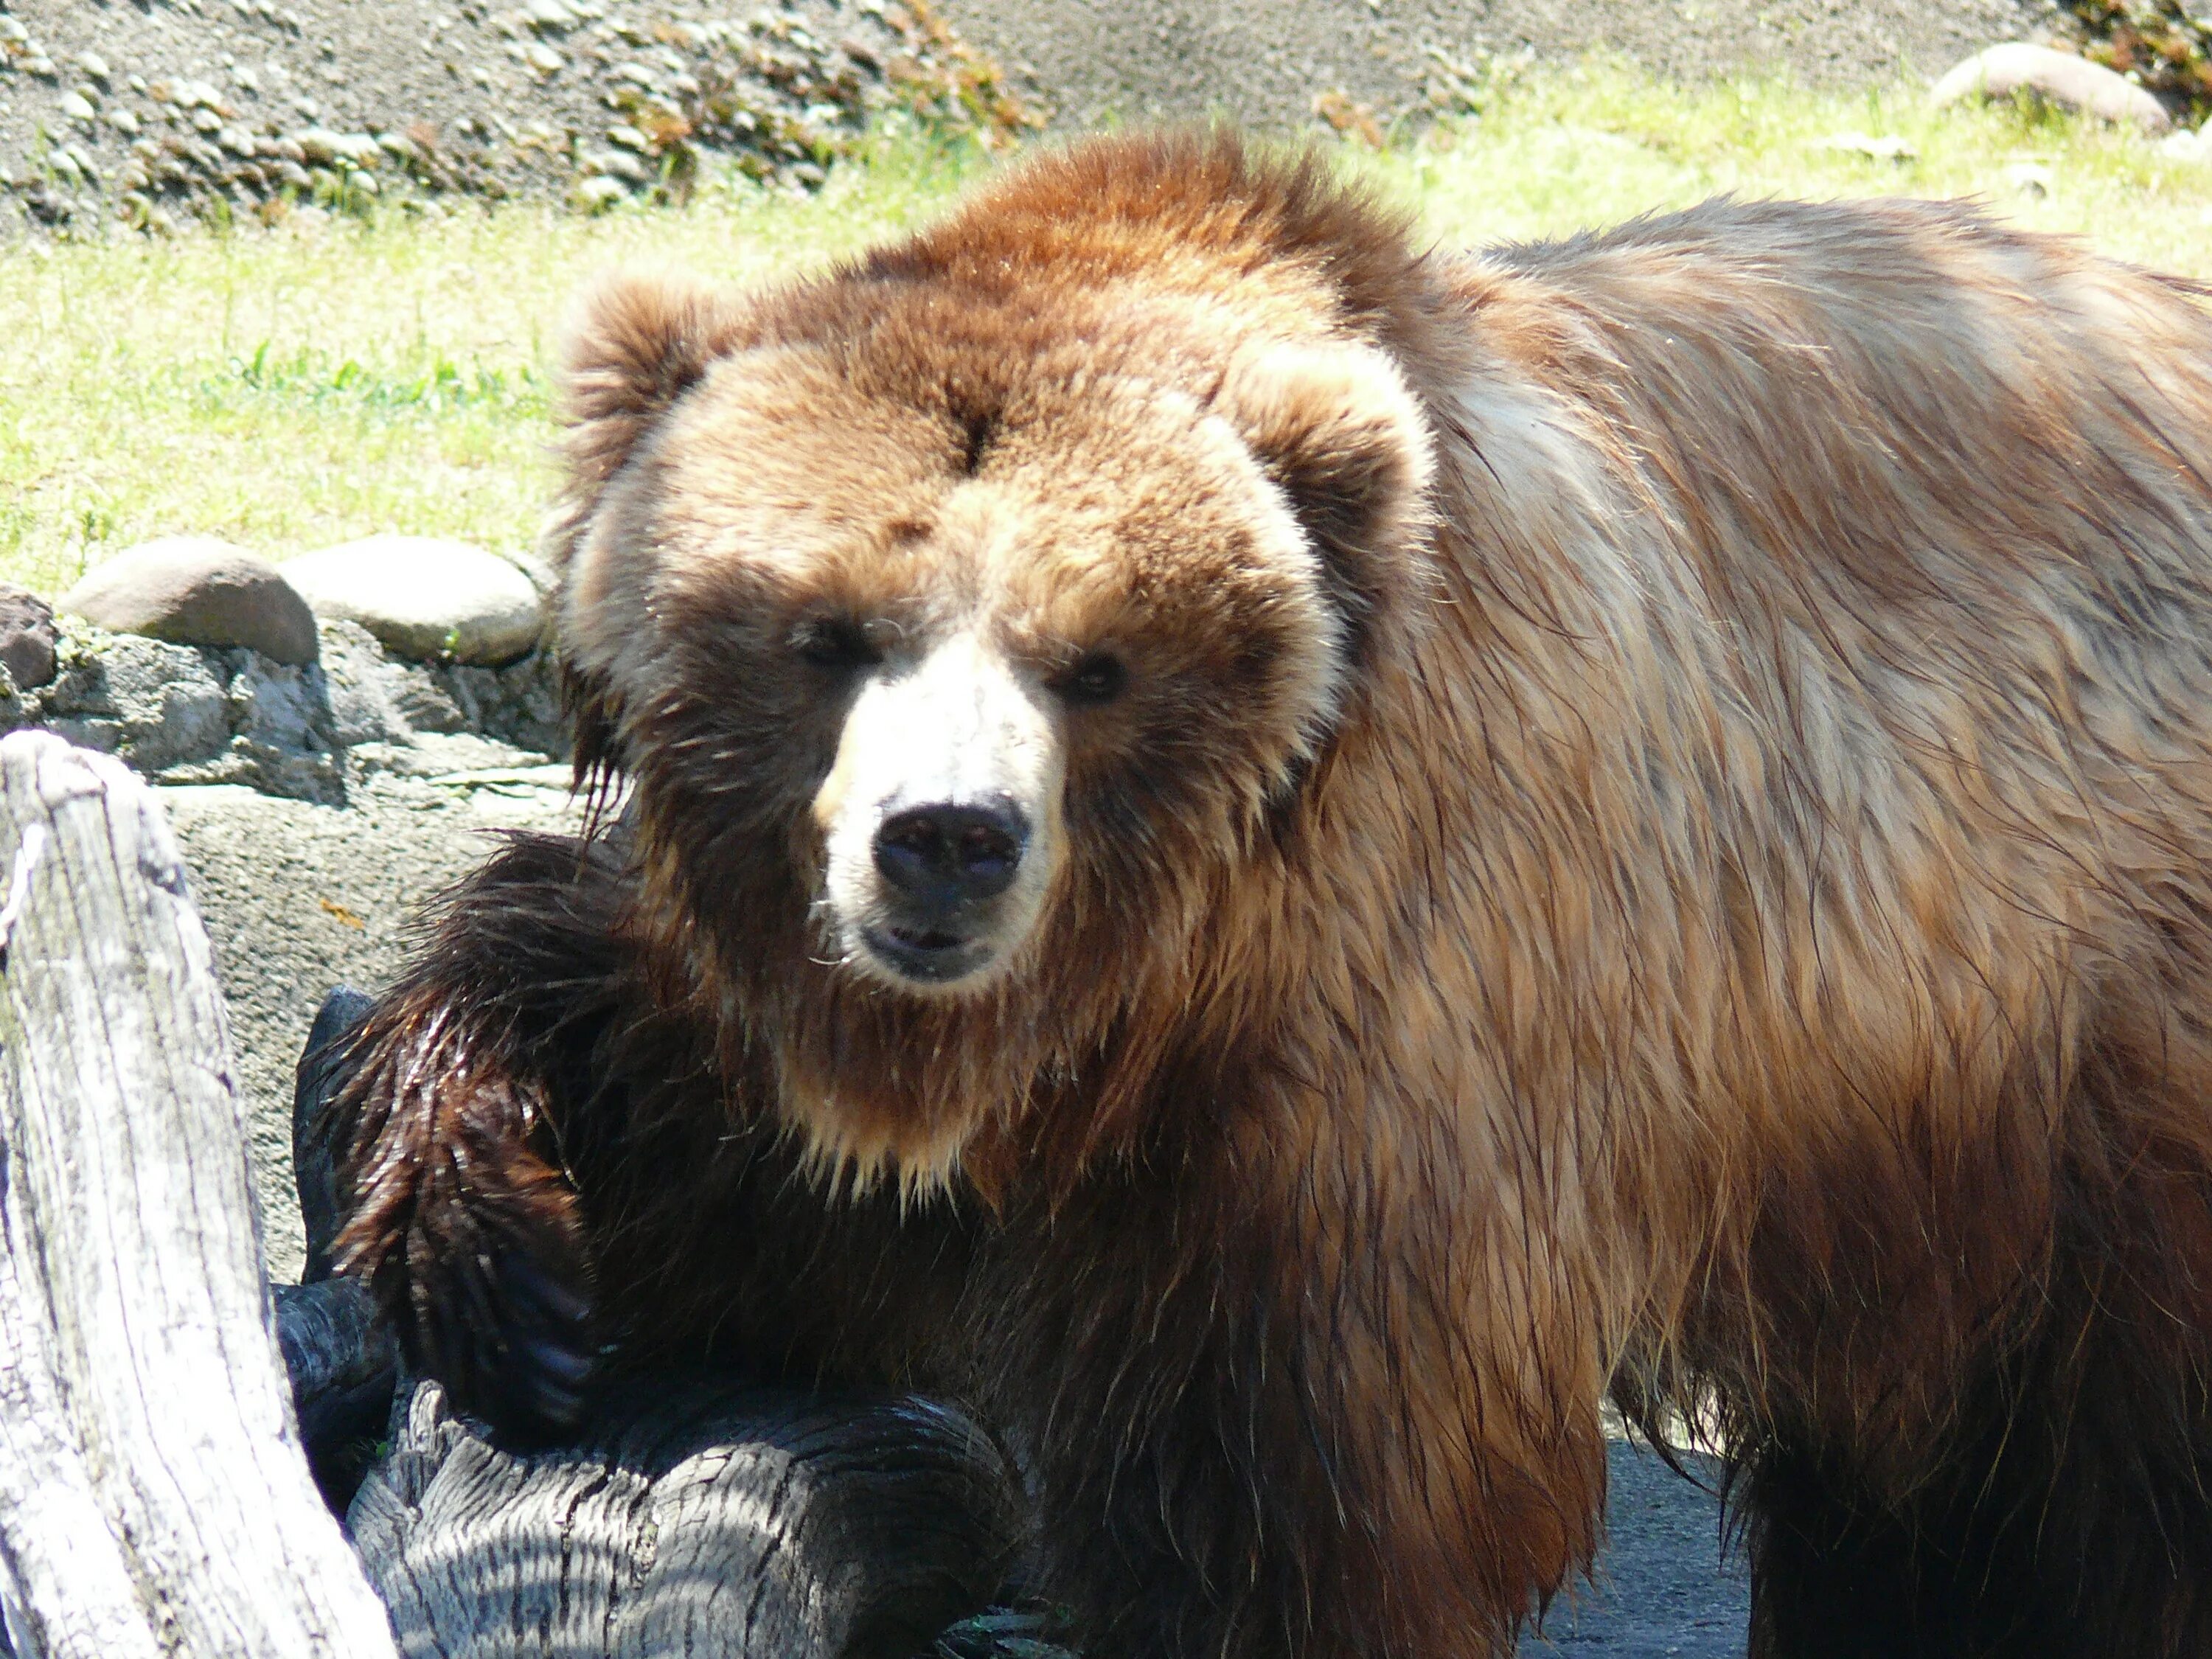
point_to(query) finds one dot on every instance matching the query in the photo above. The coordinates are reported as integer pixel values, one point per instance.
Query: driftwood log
(152, 1496)
(154, 1491)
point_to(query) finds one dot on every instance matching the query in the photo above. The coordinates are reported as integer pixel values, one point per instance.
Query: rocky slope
(152, 113)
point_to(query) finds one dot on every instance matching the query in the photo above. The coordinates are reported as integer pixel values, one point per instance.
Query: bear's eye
(837, 643)
(1096, 679)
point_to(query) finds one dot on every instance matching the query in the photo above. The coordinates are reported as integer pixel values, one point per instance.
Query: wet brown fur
(1724, 910)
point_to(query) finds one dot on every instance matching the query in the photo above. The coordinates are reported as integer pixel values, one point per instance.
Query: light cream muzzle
(941, 819)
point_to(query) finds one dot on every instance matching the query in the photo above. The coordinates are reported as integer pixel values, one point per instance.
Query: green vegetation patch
(294, 388)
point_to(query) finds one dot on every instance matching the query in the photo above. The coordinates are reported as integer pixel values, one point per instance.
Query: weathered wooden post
(153, 1498)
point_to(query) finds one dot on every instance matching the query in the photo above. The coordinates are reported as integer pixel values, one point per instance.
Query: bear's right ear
(640, 340)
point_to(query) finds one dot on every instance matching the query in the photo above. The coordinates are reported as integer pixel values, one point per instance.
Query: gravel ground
(1664, 1586)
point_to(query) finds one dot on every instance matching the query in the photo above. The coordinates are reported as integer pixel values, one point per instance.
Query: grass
(289, 388)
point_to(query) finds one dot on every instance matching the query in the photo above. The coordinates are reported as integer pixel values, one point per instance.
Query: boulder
(27, 637)
(425, 599)
(2072, 82)
(197, 590)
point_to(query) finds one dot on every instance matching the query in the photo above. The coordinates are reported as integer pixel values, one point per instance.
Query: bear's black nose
(951, 855)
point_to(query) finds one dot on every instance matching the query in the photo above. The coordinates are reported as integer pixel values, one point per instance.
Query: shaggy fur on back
(1656, 838)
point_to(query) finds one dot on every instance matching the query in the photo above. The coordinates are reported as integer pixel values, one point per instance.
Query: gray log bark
(695, 1519)
(153, 1499)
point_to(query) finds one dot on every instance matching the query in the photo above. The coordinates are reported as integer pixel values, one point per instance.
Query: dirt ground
(1265, 61)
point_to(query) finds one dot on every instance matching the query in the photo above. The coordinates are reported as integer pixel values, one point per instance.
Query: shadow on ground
(1664, 1586)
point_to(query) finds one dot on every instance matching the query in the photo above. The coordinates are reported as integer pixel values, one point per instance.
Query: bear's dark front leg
(461, 1217)
(1219, 1475)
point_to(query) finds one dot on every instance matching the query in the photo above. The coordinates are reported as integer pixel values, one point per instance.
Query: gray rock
(2073, 82)
(155, 704)
(363, 686)
(195, 590)
(619, 164)
(427, 704)
(425, 599)
(27, 637)
(517, 704)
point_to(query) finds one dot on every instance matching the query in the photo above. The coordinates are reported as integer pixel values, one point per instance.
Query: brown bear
(1276, 857)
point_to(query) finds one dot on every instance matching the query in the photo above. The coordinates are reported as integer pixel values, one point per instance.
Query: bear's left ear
(1340, 432)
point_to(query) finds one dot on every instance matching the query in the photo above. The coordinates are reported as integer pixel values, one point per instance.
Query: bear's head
(966, 619)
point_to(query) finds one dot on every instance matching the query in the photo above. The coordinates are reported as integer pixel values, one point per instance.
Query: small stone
(237, 140)
(425, 598)
(323, 147)
(13, 32)
(66, 164)
(124, 122)
(549, 14)
(598, 194)
(197, 590)
(2072, 82)
(196, 94)
(543, 59)
(77, 107)
(618, 164)
(27, 637)
(2029, 178)
(40, 64)
(92, 65)
(206, 120)
(628, 137)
